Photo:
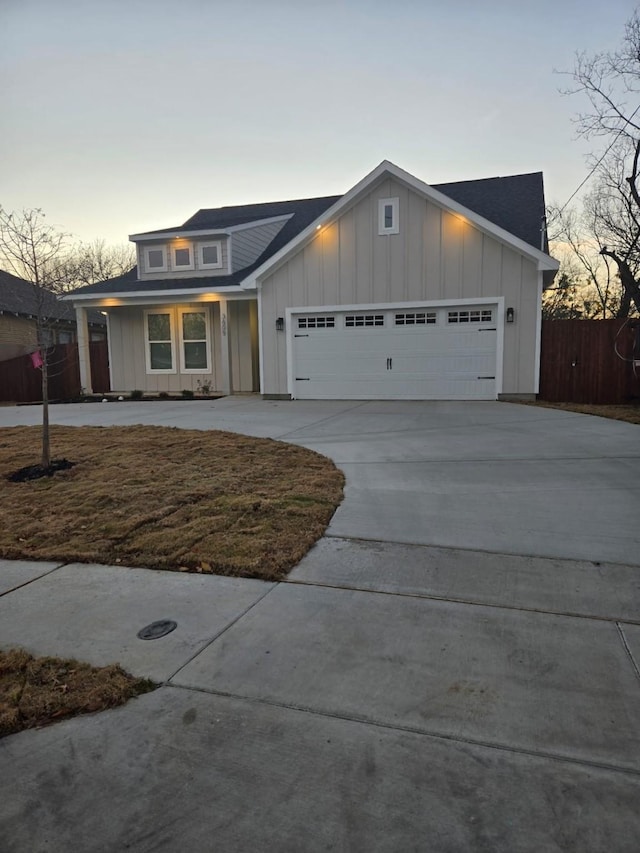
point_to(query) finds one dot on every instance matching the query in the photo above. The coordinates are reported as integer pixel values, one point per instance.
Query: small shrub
(163, 395)
(188, 394)
(204, 388)
(137, 394)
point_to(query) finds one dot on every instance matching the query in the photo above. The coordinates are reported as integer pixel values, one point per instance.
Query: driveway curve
(482, 476)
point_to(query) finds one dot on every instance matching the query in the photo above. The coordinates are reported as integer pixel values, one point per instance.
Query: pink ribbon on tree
(36, 359)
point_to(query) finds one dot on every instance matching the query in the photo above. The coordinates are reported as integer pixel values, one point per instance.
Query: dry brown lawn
(38, 691)
(166, 498)
(628, 413)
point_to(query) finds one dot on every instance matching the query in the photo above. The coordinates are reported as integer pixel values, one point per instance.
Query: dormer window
(388, 222)
(210, 255)
(155, 259)
(182, 257)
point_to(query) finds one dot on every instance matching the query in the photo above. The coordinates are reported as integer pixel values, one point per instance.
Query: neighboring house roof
(24, 299)
(515, 204)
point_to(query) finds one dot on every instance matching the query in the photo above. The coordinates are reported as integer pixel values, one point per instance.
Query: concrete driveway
(453, 667)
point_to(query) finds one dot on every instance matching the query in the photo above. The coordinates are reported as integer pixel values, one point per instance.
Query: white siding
(128, 349)
(435, 255)
(242, 345)
(128, 353)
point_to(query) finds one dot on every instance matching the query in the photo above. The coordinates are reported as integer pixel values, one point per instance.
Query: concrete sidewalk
(394, 694)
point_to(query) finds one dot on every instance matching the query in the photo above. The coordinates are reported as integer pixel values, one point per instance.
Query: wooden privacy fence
(578, 365)
(20, 382)
(99, 354)
(578, 362)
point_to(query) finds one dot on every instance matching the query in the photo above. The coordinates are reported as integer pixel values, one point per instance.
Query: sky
(122, 116)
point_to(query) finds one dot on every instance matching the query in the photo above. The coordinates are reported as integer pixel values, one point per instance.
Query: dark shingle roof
(303, 210)
(24, 299)
(515, 203)
(129, 281)
(18, 296)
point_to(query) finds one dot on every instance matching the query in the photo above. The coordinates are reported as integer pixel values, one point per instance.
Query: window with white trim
(316, 322)
(182, 257)
(160, 349)
(362, 320)
(195, 347)
(416, 318)
(388, 220)
(476, 316)
(155, 259)
(210, 255)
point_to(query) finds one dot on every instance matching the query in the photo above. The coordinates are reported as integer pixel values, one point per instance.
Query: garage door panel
(438, 359)
(333, 367)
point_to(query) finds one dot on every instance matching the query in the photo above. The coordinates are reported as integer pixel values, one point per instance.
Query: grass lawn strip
(37, 691)
(166, 498)
(618, 412)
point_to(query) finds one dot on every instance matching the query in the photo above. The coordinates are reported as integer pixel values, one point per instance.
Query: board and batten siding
(128, 349)
(243, 345)
(436, 255)
(247, 245)
(143, 275)
(128, 352)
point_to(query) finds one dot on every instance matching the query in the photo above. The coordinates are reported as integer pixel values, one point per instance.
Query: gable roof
(388, 169)
(510, 208)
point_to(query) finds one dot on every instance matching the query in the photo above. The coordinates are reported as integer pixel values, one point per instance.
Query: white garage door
(443, 353)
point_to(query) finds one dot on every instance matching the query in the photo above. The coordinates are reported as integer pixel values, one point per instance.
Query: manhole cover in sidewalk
(157, 629)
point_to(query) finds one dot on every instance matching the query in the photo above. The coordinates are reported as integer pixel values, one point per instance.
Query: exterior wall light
(511, 315)
(280, 324)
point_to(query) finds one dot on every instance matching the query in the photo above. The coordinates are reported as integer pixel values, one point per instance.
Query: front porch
(203, 346)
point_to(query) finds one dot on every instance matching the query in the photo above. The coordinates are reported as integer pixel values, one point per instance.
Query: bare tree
(570, 297)
(611, 83)
(33, 250)
(87, 263)
(577, 243)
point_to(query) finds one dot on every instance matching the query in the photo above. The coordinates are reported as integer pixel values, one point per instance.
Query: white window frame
(412, 319)
(180, 267)
(153, 371)
(207, 320)
(364, 321)
(472, 316)
(395, 219)
(150, 270)
(323, 322)
(208, 245)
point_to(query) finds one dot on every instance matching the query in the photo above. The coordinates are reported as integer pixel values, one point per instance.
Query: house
(22, 304)
(394, 290)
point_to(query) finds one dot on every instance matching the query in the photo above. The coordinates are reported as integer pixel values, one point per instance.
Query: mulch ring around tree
(35, 472)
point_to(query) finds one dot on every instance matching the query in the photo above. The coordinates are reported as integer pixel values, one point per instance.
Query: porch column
(225, 354)
(84, 355)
